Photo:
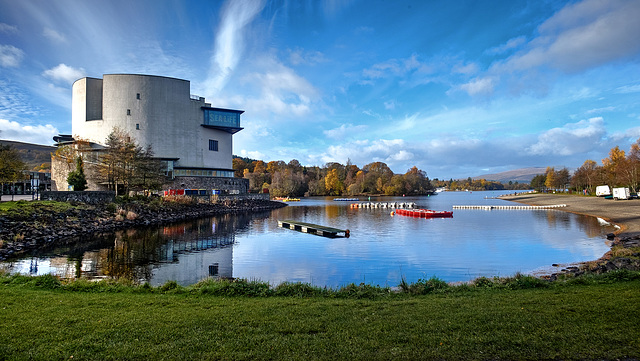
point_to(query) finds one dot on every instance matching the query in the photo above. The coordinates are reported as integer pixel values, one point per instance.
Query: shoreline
(45, 228)
(624, 213)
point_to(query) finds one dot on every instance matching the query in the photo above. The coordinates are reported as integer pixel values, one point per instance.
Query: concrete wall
(163, 116)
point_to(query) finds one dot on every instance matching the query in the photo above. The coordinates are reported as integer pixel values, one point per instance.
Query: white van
(621, 193)
(602, 191)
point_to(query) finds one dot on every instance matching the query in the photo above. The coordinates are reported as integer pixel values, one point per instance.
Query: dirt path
(626, 214)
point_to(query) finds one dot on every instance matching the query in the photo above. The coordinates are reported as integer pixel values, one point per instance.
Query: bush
(362, 291)
(298, 290)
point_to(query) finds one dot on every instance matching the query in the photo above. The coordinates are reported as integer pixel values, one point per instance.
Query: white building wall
(163, 115)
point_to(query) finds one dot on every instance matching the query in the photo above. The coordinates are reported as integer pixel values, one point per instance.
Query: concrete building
(194, 139)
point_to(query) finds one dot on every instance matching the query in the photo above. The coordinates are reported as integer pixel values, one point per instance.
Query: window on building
(138, 96)
(137, 126)
(128, 111)
(213, 145)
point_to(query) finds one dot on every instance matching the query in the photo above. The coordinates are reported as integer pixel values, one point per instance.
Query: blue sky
(457, 88)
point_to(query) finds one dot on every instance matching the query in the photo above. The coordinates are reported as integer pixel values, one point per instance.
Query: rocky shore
(625, 248)
(48, 226)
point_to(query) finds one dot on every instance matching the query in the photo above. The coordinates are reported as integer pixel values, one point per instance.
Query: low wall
(89, 197)
(231, 197)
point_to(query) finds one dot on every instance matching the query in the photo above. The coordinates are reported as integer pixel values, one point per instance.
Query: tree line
(619, 169)
(333, 179)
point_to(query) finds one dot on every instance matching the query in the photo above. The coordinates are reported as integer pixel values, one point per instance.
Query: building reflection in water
(184, 252)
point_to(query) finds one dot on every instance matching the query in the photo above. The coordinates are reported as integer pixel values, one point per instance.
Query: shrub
(298, 290)
(362, 291)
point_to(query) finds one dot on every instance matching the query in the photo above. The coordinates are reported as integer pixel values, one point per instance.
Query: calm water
(381, 250)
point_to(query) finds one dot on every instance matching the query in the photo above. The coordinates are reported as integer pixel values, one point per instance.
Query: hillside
(523, 175)
(36, 156)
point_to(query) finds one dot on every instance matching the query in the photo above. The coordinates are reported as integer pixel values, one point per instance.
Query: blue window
(213, 145)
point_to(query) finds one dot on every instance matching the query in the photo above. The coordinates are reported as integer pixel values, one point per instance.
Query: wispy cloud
(513, 43)
(230, 41)
(10, 56)
(300, 56)
(8, 29)
(53, 35)
(345, 131)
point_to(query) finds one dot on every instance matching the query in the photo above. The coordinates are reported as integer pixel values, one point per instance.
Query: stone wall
(89, 197)
(227, 185)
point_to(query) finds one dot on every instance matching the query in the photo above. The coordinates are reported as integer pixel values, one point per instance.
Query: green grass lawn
(564, 321)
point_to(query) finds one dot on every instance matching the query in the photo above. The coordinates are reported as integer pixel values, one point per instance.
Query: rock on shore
(20, 234)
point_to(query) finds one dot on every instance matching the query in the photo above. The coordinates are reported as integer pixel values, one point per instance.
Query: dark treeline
(478, 185)
(333, 179)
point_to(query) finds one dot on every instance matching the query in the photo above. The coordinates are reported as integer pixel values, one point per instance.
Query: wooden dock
(510, 207)
(313, 229)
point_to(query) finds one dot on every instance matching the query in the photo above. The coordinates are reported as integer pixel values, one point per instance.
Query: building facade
(194, 139)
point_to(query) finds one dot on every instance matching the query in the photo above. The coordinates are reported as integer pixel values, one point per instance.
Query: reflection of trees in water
(567, 221)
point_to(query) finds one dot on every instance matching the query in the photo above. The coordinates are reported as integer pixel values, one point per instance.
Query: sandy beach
(624, 213)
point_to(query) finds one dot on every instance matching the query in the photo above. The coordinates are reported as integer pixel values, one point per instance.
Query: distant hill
(523, 175)
(36, 156)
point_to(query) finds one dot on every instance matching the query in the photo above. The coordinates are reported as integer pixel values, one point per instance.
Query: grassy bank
(581, 319)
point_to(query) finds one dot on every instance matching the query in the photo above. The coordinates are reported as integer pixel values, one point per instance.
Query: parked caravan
(603, 191)
(621, 193)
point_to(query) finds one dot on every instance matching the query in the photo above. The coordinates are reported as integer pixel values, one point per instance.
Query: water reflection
(186, 252)
(381, 250)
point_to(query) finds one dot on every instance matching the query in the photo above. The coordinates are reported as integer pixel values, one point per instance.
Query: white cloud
(53, 35)
(64, 73)
(479, 86)
(583, 35)
(573, 138)
(39, 134)
(10, 56)
(279, 90)
(390, 105)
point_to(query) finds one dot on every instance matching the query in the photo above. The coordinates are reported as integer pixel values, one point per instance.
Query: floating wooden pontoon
(313, 229)
(511, 207)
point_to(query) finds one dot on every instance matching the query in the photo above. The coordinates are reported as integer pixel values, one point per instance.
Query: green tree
(76, 178)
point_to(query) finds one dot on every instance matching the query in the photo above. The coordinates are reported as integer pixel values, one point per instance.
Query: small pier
(510, 207)
(383, 205)
(313, 229)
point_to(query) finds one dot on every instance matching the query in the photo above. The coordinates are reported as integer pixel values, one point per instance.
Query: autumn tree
(11, 165)
(239, 165)
(125, 165)
(586, 176)
(332, 183)
(614, 165)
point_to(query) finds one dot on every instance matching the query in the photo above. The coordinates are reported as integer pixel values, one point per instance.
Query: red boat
(424, 213)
